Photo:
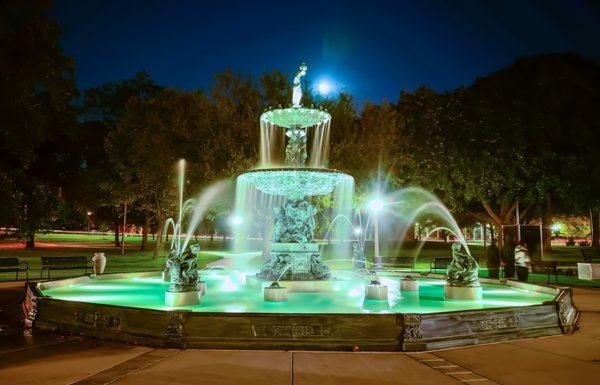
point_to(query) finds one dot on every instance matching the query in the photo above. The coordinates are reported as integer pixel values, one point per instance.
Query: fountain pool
(231, 293)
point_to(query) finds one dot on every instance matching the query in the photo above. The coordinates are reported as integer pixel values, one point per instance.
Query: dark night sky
(372, 49)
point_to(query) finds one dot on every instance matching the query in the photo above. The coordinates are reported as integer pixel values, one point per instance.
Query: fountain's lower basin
(130, 307)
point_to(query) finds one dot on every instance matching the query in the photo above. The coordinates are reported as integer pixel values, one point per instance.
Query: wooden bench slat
(590, 253)
(12, 265)
(9, 262)
(408, 262)
(440, 263)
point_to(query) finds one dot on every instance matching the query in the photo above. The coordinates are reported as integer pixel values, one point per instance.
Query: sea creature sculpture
(463, 270)
(358, 256)
(183, 269)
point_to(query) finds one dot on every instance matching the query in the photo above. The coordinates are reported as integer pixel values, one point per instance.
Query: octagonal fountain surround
(306, 304)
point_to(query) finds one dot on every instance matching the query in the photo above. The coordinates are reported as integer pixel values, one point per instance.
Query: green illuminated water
(226, 292)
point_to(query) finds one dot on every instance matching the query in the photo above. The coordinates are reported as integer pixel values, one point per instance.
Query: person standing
(522, 261)
(493, 261)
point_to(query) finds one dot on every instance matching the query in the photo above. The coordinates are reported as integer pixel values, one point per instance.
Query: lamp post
(89, 216)
(375, 206)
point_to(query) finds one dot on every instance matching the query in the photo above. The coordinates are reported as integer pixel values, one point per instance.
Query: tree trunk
(484, 234)
(30, 240)
(499, 219)
(30, 234)
(124, 226)
(116, 229)
(158, 243)
(547, 224)
(410, 232)
(595, 228)
(145, 231)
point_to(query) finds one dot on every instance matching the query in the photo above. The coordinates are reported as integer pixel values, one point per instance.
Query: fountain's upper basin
(295, 117)
(295, 183)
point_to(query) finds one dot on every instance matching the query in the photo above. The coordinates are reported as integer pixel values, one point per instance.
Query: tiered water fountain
(294, 254)
(293, 299)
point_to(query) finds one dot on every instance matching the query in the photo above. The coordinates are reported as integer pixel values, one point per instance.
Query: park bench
(545, 267)
(12, 265)
(442, 263)
(439, 264)
(65, 263)
(400, 262)
(590, 254)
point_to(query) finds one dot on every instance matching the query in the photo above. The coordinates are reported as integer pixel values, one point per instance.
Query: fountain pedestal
(182, 298)
(409, 285)
(469, 293)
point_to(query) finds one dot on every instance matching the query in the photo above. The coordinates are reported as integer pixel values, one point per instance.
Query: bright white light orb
(375, 205)
(324, 87)
(236, 220)
(357, 230)
(556, 227)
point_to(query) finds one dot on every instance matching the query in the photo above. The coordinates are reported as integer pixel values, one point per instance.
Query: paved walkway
(47, 359)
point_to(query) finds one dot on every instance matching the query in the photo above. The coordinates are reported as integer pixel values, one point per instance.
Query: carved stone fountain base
(468, 293)
(294, 261)
(183, 298)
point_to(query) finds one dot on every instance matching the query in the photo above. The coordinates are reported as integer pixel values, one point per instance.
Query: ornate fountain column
(294, 253)
(295, 151)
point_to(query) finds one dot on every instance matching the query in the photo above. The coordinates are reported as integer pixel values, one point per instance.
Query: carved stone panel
(174, 332)
(291, 331)
(97, 320)
(412, 328)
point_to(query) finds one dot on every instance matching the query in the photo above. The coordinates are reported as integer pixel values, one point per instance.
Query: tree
(536, 120)
(36, 101)
(102, 109)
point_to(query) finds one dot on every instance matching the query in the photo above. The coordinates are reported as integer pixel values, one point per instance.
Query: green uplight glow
(225, 294)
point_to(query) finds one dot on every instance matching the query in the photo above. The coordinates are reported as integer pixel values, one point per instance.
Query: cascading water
(273, 136)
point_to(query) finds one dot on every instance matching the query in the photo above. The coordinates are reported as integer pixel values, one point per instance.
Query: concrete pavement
(48, 359)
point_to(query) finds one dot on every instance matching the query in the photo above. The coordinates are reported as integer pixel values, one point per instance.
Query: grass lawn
(136, 260)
